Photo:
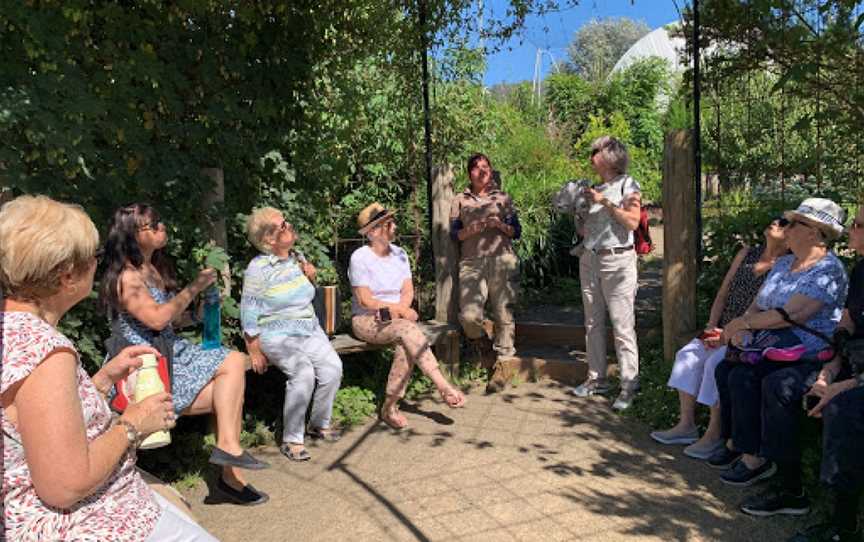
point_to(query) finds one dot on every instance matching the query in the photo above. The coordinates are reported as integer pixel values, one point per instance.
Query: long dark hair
(121, 248)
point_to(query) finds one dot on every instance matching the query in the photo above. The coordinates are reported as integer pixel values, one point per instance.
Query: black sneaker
(248, 496)
(723, 458)
(825, 532)
(776, 501)
(741, 476)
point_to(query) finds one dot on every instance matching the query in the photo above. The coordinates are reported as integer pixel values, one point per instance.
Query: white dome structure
(657, 43)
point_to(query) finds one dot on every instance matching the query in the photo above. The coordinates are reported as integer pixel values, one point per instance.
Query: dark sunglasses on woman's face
(158, 225)
(781, 222)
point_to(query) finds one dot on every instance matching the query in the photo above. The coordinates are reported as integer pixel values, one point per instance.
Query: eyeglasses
(155, 226)
(856, 225)
(793, 223)
(286, 226)
(781, 222)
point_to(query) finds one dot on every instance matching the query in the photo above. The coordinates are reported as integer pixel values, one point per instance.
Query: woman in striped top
(280, 327)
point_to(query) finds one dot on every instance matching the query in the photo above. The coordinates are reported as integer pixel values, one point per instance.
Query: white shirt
(601, 229)
(383, 275)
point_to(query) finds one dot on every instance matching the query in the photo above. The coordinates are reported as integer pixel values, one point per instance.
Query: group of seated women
(771, 344)
(69, 462)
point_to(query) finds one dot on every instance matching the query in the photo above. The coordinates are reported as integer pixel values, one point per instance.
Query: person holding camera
(836, 394)
(607, 271)
(383, 292)
(484, 223)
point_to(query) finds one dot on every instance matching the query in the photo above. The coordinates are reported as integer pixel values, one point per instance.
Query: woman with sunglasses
(383, 292)
(280, 326)
(139, 290)
(838, 398)
(607, 271)
(693, 371)
(805, 288)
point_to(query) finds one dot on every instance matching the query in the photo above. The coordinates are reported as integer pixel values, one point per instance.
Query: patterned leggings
(411, 346)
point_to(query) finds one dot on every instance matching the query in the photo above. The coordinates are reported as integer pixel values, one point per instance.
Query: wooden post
(446, 253)
(215, 224)
(679, 242)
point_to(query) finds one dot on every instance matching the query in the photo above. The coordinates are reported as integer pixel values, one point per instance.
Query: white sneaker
(624, 400)
(590, 387)
(704, 451)
(673, 437)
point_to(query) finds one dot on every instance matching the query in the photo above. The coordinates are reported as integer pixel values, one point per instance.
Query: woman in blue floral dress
(140, 291)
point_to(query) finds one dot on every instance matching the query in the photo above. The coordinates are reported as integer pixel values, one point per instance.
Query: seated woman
(693, 372)
(69, 465)
(140, 291)
(280, 325)
(839, 399)
(380, 277)
(807, 287)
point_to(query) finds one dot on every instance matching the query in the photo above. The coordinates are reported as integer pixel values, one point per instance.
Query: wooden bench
(443, 336)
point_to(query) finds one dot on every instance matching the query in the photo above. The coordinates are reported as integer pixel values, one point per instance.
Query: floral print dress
(122, 509)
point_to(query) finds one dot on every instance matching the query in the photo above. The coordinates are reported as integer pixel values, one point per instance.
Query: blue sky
(515, 61)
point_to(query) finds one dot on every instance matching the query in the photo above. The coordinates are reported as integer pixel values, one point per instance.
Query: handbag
(768, 344)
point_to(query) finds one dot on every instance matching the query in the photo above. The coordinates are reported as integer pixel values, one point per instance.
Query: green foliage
(598, 45)
(353, 406)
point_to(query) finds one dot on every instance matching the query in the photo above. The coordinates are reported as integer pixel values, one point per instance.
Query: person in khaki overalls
(483, 220)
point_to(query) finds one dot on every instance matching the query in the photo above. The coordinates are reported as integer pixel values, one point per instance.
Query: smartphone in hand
(384, 314)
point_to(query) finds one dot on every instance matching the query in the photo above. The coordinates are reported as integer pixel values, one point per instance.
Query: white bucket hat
(820, 213)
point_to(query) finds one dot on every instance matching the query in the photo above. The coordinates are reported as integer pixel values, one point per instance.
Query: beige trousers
(410, 347)
(496, 279)
(610, 282)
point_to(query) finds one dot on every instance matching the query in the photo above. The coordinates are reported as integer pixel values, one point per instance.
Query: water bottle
(149, 383)
(212, 319)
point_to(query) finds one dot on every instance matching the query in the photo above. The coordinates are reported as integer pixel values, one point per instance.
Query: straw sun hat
(371, 216)
(820, 213)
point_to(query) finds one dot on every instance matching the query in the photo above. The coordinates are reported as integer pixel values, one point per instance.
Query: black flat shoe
(248, 496)
(723, 459)
(243, 461)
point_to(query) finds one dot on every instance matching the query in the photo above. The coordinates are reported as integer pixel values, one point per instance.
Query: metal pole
(427, 118)
(697, 131)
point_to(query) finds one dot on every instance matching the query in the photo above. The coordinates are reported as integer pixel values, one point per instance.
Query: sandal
(392, 422)
(453, 397)
(302, 455)
(327, 434)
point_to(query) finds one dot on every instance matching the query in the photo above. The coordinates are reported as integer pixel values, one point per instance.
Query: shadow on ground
(532, 463)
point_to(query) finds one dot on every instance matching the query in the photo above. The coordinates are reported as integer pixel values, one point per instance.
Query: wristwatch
(132, 434)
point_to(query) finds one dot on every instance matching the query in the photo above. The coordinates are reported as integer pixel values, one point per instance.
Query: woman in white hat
(383, 291)
(805, 288)
(838, 398)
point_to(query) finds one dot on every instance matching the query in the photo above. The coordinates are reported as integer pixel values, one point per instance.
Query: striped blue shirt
(277, 298)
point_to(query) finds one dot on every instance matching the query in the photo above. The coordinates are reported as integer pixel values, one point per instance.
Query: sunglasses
(793, 223)
(781, 222)
(155, 226)
(856, 225)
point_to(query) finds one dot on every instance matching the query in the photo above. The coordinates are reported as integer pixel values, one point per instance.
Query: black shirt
(855, 298)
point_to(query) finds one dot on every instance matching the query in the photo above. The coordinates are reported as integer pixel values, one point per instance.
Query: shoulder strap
(808, 329)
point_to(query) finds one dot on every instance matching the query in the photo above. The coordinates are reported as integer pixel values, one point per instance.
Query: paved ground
(529, 464)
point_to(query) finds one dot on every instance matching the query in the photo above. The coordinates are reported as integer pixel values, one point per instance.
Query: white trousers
(314, 373)
(610, 282)
(693, 371)
(175, 526)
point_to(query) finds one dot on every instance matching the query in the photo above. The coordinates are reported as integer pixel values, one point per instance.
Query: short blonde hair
(40, 239)
(260, 226)
(613, 152)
